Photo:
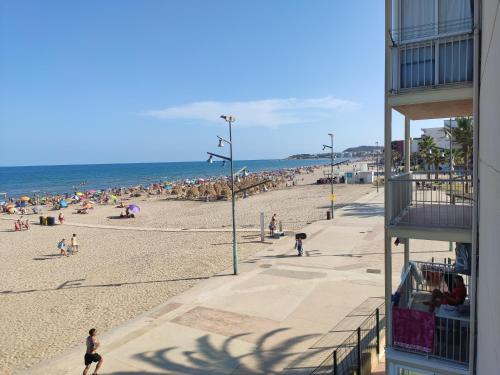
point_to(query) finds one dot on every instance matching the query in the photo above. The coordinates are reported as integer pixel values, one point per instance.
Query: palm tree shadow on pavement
(211, 359)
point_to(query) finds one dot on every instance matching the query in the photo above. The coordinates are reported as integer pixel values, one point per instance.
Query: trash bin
(51, 220)
(328, 215)
(41, 220)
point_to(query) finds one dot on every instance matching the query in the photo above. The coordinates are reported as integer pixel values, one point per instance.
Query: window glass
(455, 61)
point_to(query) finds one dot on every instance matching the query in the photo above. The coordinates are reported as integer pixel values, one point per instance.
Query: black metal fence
(352, 355)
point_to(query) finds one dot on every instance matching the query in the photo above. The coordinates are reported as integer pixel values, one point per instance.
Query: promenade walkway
(262, 320)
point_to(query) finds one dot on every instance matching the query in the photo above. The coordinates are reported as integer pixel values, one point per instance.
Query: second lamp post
(229, 120)
(331, 173)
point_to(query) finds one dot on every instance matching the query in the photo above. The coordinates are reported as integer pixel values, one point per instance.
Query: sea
(61, 179)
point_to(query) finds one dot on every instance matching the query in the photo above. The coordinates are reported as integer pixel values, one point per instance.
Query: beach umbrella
(79, 193)
(25, 198)
(133, 208)
(63, 203)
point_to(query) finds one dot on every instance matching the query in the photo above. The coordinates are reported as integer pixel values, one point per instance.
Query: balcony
(432, 69)
(442, 335)
(431, 208)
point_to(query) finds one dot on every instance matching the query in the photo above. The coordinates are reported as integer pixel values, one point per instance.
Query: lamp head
(221, 142)
(228, 118)
(223, 163)
(210, 159)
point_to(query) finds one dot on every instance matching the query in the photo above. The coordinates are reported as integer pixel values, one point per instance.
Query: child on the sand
(62, 247)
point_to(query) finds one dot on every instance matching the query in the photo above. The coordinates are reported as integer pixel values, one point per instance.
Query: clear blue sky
(138, 81)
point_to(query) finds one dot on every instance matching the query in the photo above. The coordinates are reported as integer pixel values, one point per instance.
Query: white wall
(488, 349)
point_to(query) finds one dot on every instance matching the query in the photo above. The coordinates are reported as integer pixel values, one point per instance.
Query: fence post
(377, 316)
(359, 351)
(335, 362)
(262, 226)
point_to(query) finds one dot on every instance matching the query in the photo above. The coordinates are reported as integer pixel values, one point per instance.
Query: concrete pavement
(262, 320)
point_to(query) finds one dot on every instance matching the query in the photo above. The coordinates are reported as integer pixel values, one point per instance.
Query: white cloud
(268, 112)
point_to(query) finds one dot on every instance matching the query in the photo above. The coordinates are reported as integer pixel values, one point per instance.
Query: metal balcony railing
(417, 199)
(354, 354)
(451, 333)
(438, 61)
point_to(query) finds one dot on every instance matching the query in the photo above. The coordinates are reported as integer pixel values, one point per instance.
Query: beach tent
(133, 208)
(63, 203)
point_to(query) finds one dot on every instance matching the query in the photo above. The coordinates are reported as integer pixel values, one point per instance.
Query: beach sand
(128, 266)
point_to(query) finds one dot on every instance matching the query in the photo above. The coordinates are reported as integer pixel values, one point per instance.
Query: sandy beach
(128, 266)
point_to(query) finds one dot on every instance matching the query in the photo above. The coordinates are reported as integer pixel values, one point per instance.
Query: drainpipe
(407, 149)
(387, 174)
(475, 182)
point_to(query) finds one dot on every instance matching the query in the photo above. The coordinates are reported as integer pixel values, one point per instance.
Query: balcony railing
(438, 61)
(354, 354)
(444, 334)
(419, 200)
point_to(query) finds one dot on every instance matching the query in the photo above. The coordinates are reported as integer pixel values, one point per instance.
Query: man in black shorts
(91, 355)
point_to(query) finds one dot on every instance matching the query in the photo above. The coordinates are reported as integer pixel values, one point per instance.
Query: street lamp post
(229, 120)
(332, 208)
(376, 150)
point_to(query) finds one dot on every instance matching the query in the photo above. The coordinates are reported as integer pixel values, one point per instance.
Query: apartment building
(443, 61)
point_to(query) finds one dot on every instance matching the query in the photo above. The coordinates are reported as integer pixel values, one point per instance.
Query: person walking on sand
(62, 247)
(61, 218)
(298, 246)
(74, 244)
(91, 354)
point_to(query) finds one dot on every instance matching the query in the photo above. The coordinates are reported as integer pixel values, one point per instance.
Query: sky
(146, 81)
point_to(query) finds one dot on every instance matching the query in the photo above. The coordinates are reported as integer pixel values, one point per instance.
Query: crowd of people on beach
(206, 189)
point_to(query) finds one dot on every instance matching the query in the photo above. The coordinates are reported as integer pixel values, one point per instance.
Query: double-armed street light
(211, 155)
(332, 208)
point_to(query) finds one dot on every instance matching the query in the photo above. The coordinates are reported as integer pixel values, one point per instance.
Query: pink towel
(413, 329)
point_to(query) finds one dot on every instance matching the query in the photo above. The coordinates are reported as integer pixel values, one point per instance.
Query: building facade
(442, 60)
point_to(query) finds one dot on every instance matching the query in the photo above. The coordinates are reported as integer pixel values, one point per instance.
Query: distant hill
(309, 156)
(356, 151)
(363, 149)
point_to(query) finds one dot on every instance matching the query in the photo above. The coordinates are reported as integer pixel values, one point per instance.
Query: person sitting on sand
(25, 224)
(455, 298)
(17, 226)
(62, 247)
(90, 354)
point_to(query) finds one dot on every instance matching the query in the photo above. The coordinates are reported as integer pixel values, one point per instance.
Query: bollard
(281, 226)
(328, 215)
(262, 226)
